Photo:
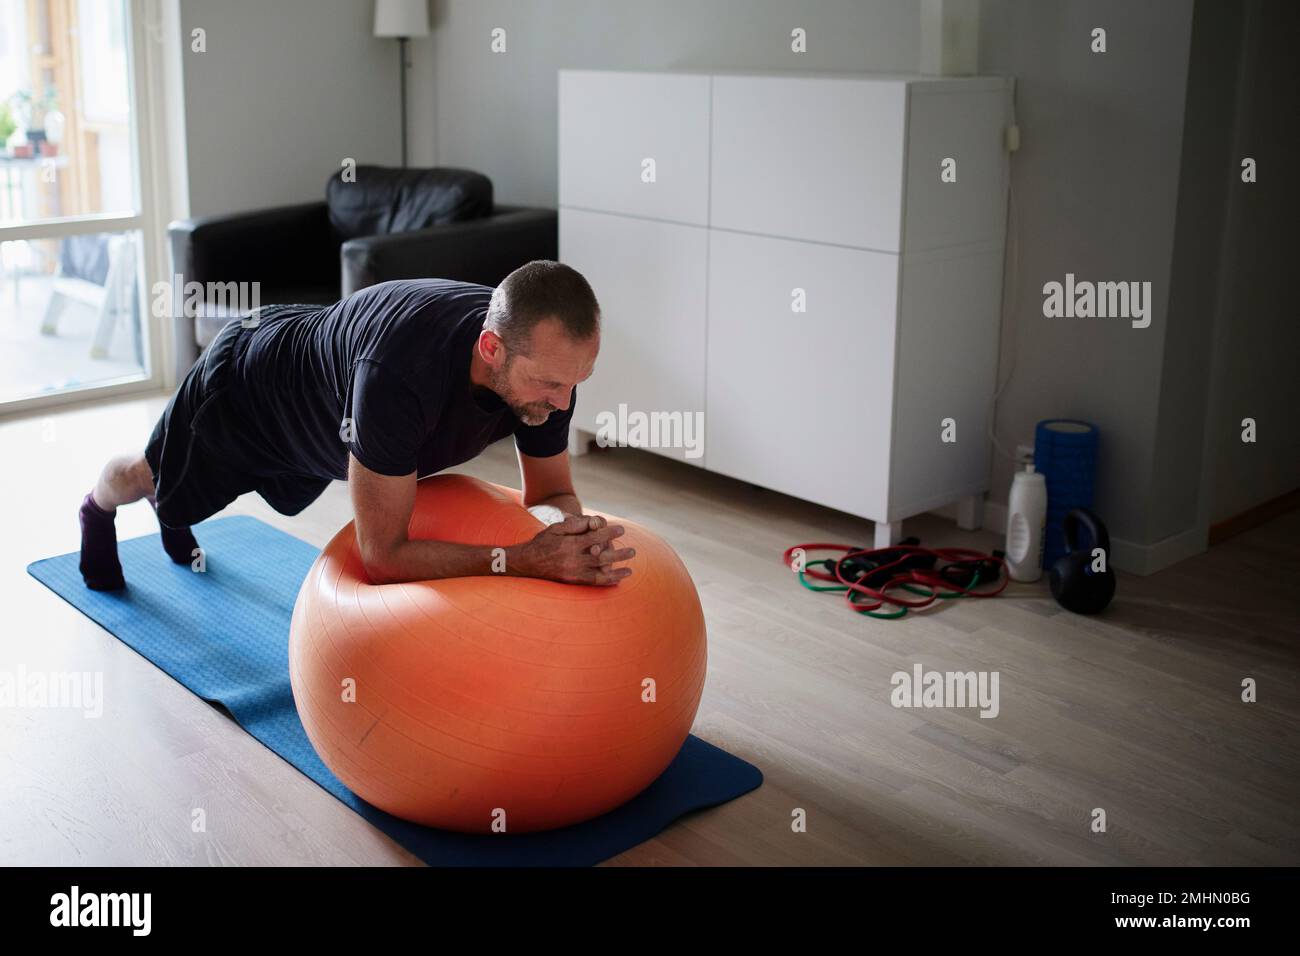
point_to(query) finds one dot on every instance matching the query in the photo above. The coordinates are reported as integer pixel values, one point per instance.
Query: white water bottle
(1026, 520)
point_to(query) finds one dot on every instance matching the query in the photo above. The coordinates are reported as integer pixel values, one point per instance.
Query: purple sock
(179, 543)
(100, 567)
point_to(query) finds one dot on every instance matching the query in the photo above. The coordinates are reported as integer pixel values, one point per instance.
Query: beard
(530, 413)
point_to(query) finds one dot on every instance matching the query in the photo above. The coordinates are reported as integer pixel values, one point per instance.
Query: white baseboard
(1150, 558)
(1129, 556)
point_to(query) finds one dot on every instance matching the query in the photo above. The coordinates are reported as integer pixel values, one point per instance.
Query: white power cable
(1011, 290)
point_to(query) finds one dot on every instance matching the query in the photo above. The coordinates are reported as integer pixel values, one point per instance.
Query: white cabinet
(816, 265)
(650, 279)
(610, 128)
(963, 122)
(808, 158)
(798, 401)
(945, 369)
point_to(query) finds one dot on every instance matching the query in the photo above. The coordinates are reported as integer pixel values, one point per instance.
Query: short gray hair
(542, 289)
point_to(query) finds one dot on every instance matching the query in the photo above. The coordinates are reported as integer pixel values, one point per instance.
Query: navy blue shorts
(199, 452)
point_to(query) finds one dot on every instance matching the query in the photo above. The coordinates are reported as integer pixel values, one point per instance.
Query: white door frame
(157, 143)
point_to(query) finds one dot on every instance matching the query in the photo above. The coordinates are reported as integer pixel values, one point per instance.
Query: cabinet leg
(970, 512)
(579, 442)
(888, 533)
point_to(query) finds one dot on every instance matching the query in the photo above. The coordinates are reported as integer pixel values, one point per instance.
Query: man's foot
(100, 568)
(179, 543)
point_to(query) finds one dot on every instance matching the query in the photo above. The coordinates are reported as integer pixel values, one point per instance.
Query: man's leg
(290, 494)
(125, 479)
(191, 481)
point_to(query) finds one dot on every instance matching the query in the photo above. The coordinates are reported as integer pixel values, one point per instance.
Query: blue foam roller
(1065, 452)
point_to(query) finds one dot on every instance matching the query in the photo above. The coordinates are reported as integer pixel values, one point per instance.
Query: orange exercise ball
(461, 702)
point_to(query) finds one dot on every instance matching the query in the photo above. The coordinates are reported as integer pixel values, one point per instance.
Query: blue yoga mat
(224, 634)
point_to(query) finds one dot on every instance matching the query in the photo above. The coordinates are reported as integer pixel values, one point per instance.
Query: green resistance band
(829, 565)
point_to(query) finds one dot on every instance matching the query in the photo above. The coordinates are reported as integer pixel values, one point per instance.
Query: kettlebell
(1075, 585)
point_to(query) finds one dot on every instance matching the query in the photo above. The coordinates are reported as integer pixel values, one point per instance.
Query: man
(396, 382)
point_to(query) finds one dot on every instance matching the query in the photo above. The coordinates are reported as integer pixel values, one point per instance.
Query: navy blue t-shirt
(383, 374)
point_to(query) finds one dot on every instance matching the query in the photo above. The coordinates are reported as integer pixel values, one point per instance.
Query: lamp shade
(401, 18)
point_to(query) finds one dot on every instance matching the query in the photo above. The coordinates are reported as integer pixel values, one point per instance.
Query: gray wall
(1095, 193)
(1259, 343)
(1205, 183)
(497, 112)
(284, 92)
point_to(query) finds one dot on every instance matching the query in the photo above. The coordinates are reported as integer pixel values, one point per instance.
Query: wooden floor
(1138, 712)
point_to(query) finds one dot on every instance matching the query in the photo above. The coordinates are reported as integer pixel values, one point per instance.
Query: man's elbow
(379, 565)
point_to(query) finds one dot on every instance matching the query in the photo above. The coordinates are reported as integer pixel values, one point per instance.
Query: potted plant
(31, 112)
(8, 125)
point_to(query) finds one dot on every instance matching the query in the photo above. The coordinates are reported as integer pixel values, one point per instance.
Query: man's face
(541, 382)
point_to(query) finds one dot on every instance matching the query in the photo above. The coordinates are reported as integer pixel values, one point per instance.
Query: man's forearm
(422, 560)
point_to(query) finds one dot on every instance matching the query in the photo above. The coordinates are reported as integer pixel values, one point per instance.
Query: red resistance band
(898, 575)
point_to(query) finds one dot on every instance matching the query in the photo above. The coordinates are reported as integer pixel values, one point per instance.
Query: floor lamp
(402, 19)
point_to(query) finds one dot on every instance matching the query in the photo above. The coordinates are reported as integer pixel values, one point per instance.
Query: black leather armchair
(388, 224)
